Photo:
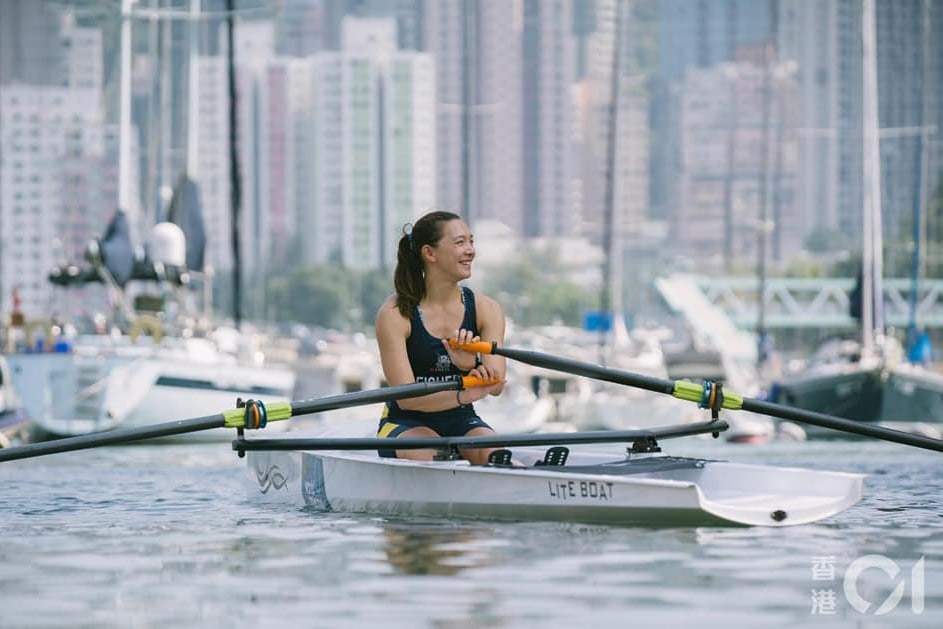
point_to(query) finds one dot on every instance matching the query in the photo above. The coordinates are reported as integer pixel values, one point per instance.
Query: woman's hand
(462, 359)
(473, 394)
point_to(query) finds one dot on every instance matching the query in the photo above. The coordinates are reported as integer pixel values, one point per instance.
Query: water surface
(163, 535)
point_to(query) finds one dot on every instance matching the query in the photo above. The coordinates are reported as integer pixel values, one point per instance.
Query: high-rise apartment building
(597, 132)
(82, 55)
(824, 38)
(58, 155)
(373, 152)
(910, 96)
(477, 51)
(305, 27)
(29, 43)
(58, 187)
(731, 115)
(263, 232)
(284, 175)
(212, 171)
(691, 34)
(547, 160)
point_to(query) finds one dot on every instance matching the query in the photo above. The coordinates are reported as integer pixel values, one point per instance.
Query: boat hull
(75, 393)
(904, 397)
(647, 491)
(912, 394)
(851, 394)
(15, 427)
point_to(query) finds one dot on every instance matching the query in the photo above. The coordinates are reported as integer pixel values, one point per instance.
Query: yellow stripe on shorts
(386, 429)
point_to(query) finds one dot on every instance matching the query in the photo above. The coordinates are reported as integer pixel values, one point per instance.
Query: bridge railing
(818, 303)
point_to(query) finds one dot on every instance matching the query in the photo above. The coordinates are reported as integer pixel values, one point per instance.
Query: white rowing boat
(638, 489)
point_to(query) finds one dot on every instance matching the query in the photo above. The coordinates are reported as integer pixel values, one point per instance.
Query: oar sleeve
(481, 347)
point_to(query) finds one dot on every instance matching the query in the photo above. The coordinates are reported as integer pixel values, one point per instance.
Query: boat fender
(149, 324)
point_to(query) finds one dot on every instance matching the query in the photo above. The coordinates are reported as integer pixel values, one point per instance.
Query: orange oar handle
(473, 381)
(482, 347)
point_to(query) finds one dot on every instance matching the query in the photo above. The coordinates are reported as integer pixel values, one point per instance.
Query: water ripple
(164, 536)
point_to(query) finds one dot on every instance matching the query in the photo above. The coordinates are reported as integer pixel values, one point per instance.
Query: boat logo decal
(569, 490)
(269, 478)
(312, 483)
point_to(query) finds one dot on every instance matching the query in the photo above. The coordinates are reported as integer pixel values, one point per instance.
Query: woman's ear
(427, 253)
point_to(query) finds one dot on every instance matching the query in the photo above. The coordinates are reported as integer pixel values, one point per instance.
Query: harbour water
(164, 536)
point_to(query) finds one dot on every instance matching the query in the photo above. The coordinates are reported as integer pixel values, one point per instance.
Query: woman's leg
(419, 432)
(478, 456)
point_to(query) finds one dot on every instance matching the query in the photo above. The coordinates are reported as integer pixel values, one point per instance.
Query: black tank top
(430, 361)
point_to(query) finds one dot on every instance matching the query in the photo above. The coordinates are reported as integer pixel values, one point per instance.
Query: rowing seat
(500, 457)
(555, 456)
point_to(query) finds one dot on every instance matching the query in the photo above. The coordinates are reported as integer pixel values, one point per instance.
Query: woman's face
(455, 251)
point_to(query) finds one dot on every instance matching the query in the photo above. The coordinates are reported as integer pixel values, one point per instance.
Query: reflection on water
(445, 549)
(164, 536)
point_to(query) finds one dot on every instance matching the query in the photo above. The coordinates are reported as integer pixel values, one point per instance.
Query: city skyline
(498, 110)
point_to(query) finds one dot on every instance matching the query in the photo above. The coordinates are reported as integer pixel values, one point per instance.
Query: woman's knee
(478, 456)
(419, 432)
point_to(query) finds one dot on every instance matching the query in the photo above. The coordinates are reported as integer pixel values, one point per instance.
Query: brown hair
(408, 278)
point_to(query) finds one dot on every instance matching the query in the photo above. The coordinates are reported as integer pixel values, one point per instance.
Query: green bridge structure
(796, 303)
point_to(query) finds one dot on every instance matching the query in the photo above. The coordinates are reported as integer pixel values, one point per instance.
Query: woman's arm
(491, 329)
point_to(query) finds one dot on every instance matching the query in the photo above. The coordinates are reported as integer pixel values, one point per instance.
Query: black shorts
(456, 426)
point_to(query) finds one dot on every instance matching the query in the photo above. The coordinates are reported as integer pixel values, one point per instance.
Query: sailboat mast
(921, 174)
(124, 111)
(193, 86)
(611, 291)
(926, 114)
(872, 310)
(762, 234)
(469, 39)
(234, 176)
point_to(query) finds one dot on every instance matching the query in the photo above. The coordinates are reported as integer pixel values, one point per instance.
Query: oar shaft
(841, 424)
(285, 410)
(375, 396)
(689, 391)
(589, 370)
(112, 437)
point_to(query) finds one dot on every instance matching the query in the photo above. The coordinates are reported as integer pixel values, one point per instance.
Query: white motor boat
(105, 383)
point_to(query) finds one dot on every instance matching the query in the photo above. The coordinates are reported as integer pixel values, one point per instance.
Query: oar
(642, 437)
(703, 394)
(236, 418)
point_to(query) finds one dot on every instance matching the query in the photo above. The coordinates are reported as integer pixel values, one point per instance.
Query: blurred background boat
(15, 424)
(872, 379)
(155, 360)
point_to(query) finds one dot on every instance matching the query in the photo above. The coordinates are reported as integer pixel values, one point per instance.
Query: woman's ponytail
(408, 279)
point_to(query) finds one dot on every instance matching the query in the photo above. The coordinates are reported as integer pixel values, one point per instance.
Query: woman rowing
(413, 327)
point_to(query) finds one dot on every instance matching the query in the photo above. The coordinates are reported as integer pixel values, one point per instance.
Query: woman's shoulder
(486, 304)
(388, 315)
(389, 302)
